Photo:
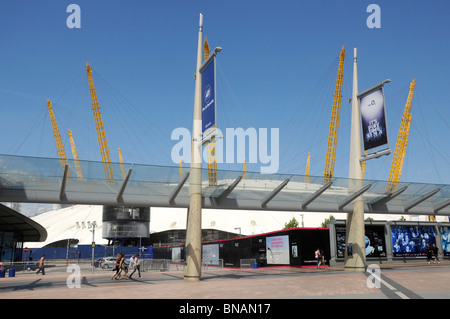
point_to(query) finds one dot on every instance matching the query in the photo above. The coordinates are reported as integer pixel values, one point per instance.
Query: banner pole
(192, 270)
(355, 221)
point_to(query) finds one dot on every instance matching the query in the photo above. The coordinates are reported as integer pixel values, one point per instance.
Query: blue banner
(209, 97)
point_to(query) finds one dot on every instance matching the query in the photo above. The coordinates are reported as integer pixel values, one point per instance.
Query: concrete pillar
(355, 220)
(193, 268)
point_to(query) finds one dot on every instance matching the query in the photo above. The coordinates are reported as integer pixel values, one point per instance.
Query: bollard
(255, 265)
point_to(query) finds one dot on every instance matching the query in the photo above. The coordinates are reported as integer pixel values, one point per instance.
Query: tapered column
(193, 268)
(355, 220)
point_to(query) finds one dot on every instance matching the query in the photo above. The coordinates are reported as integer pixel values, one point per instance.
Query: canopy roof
(43, 180)
(10, 220)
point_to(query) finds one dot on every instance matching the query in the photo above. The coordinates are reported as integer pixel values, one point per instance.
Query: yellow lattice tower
(75, 158)
(363, 166)
(102, 142)
(307, 168)
(122, 168)
(181, 170)
(334, 123)
(211, 144)
(402, 142)
(59, 144)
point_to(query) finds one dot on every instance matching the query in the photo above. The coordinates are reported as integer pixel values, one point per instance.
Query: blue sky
(277, 69)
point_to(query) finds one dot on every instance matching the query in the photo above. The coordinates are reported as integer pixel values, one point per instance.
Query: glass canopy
(45, 180)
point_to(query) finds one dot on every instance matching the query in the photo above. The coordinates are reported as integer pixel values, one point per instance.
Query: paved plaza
(417, 280)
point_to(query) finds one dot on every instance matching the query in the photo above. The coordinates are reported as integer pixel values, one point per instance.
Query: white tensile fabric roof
(61, 224)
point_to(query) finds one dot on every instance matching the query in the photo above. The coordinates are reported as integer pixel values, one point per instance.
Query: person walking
(117, 268)
(123, 266)
(322, 257)
(41, 266)
(318, 257)
(436, 253)
(429, 252)
(135, 266)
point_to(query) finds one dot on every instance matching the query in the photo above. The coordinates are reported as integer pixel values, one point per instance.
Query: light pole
(94, 224)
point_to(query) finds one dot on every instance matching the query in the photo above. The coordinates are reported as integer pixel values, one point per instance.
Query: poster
(210, 254)
(445, 239)
(373, 118)
(277, 250)
(209, 97)
(411, 241)
(375, 245)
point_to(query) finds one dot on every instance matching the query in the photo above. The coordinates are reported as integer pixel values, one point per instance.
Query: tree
(293, 223)
(327, 221)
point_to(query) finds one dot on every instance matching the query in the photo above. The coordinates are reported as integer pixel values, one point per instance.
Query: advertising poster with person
(411, 241)
(445, 238)
(374, 241)
(277, 250)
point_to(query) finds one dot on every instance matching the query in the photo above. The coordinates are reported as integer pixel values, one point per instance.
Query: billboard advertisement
(209, 97)
(277, 250)
(373, 118)
(210, 254)
(411, 241)
(375, 245)
(445, 239)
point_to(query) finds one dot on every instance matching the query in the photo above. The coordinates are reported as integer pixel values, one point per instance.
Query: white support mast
(192, 271)
(355, 220)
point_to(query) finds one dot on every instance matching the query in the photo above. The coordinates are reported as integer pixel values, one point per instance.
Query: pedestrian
(136, 266)
(322, 255)
(131, 262)
(123, 266)
(429, 252)
(117, 267)
(436, 253)
(41, 266)
(318, 257)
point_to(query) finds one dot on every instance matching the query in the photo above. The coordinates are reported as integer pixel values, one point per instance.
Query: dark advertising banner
(411, 241)
(209, 97)
(373, 118)
(375, 245)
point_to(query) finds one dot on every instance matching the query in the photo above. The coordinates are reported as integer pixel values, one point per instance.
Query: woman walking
(123, 266)
(117, 268)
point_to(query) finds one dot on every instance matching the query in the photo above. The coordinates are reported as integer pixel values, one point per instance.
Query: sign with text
(209, 97)
(373, 118)
(277, 250)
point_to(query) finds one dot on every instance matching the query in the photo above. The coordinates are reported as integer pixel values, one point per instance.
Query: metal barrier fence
(147, 265)
(172, 265)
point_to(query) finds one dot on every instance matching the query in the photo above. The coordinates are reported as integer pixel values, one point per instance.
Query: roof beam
(124, 185)
(228, 191)
(389, 197)
(178, 189)
(62, 191)
(421, 199)
(273, 193)
(355, 195)
(316, 194)
(441, 206)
